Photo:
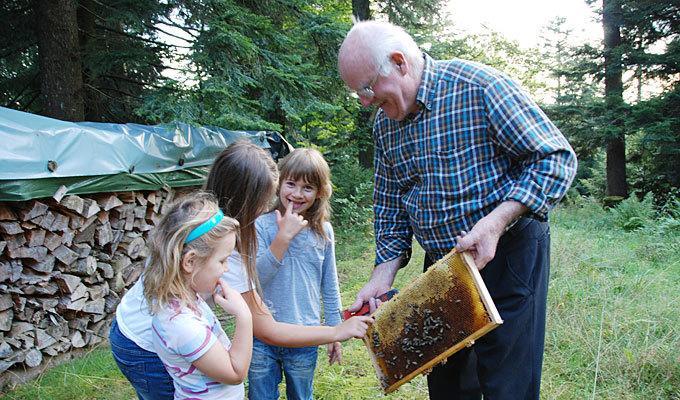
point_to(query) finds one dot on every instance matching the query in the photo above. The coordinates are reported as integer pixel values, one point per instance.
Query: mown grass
(613, 330)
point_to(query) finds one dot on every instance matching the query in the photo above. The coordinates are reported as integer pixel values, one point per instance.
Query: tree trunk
(613, 90)
(361, 9)
(59, 59)
(93, 109)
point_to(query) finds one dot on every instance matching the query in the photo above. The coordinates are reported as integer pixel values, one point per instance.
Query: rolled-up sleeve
(548, 163)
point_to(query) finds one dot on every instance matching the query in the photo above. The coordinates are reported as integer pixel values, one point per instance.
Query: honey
(437, 314)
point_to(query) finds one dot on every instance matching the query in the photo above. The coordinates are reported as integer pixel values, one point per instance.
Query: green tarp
(39, 155)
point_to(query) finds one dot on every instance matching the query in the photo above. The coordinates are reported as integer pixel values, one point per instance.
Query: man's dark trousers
(506, 362)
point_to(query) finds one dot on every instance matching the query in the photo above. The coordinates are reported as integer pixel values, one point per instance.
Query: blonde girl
(189, 251)
(296, 267)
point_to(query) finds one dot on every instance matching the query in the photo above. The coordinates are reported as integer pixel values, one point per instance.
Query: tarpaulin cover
(39, 154)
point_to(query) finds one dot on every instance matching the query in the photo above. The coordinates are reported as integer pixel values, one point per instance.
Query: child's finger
(278, 216)
(289, 208)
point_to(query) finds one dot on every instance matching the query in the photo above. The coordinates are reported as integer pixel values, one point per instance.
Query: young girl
(244, 179)
(296, 267)
(189, 251)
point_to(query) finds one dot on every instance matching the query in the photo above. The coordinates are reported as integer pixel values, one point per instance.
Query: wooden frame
(437, 314)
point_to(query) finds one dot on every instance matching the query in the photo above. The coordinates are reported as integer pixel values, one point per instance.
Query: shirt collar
(427, 84)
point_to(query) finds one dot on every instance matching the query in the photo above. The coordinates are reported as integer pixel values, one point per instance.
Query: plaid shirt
(477, 140)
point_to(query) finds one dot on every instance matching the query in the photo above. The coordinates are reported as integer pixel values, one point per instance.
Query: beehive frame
(437, 314)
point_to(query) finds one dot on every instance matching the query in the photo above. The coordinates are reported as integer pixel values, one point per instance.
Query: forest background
(271, 65)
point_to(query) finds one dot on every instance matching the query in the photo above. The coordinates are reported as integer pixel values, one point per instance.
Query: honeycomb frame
(443, 310)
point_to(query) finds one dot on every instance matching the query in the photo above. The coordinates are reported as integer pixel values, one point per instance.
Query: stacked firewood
(64, 264)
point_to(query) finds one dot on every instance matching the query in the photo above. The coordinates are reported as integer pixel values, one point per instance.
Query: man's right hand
(380, 282)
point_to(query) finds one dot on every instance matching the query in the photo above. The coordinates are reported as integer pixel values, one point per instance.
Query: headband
(204, 227)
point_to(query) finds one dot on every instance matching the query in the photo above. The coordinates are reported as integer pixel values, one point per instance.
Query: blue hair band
(205, 227)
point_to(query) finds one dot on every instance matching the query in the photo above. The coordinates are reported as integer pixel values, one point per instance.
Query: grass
(612, 333)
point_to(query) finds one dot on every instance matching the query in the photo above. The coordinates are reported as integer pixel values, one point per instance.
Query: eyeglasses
(367, 91)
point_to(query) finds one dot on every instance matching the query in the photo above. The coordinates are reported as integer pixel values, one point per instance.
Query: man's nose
(365, 101)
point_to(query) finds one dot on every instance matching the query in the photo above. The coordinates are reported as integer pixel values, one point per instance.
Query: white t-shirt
(182, 336)
(132, 314)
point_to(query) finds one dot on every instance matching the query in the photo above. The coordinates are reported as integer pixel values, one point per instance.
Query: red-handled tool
(365, 308)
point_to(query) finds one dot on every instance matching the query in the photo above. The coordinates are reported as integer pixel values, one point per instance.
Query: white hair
(379, 39)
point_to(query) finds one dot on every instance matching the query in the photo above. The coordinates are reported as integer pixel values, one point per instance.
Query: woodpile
(64, 264)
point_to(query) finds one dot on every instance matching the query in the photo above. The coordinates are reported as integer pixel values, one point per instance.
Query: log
(65, 255)
(60, 223)
(90, 208)
(35, 237)
(45, 266)
(103, 234)
(87, 234)
(15, 241)
(141, 199)
(95, 306)
(106, 269)
(108, 202)
(10, 227)
(42, 339)
(38, 253)
(10, 271)
(82, 249)
(52, 241)
(6, 318)
(7, 214)
(60, 193)
(73, 203)
(33, 358)
(77, 340)
(33, 209)
(45, 221)
(6, 301)
(67, 283)
(132, 246)
(5, 348)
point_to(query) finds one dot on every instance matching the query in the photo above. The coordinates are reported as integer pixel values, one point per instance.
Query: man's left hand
(482, 240)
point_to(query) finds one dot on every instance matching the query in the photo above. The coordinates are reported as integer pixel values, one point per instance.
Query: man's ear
(399, 60)
(189, 262)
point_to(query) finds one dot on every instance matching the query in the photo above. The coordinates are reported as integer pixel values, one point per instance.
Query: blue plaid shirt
(477, 140)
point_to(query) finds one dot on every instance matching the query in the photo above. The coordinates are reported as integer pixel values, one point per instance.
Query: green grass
(613, 330)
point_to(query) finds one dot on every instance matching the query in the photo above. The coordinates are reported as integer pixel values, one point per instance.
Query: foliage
(121, 53)
(633, 214)
(352, 194)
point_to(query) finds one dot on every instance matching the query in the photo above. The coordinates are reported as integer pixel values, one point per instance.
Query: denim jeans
(267, 366)
(142, 368)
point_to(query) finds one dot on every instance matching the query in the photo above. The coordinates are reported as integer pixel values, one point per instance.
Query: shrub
(631, 213)
(353, 193)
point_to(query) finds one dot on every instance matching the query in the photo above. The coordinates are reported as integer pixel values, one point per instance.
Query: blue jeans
(142, 368)
(267, 364)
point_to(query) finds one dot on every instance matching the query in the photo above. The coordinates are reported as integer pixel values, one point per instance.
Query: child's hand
(334, 353)
(290, 223)
(230, 300)
(354, 327)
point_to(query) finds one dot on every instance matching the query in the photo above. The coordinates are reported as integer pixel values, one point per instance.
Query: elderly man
(465, 159)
